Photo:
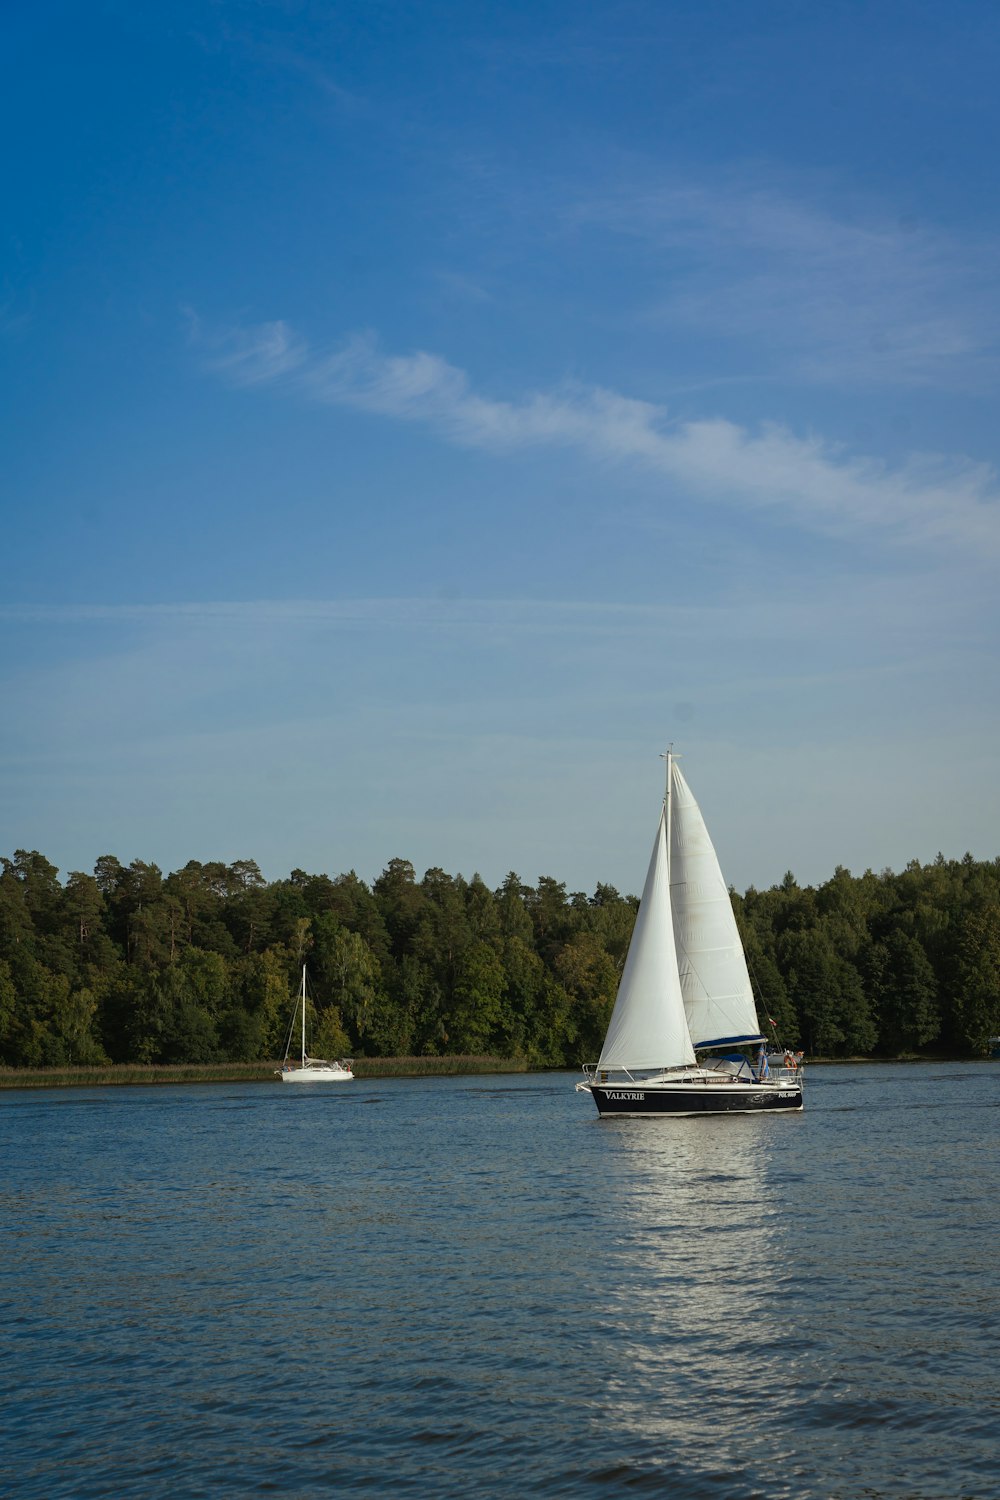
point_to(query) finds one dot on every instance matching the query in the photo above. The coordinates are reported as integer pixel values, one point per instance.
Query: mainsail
(648, 1028)
(718, 998)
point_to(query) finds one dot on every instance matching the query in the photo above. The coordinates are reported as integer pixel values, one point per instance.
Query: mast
(668, 756)
(303, 1015)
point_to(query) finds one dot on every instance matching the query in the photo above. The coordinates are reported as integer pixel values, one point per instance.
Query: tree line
(127, 965)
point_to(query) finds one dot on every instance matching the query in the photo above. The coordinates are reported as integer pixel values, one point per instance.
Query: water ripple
(477, 1287)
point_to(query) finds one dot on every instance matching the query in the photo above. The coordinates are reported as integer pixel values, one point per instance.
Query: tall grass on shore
(435, 1067)
(244, 1072)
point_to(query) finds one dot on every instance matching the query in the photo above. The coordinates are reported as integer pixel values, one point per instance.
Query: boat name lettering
(623, 1094)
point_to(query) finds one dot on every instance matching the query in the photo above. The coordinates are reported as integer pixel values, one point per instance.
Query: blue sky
(415, 416)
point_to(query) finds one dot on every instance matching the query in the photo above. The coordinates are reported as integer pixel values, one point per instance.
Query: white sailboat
(311, 1069)
(685, 990)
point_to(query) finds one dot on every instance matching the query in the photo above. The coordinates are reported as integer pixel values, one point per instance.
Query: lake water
(453, 1287)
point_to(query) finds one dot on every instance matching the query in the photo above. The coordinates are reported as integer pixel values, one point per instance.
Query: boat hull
(693, 1098)
(316, 1075)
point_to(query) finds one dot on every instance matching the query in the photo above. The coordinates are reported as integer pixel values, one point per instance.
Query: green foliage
(977, 979)
(589, 978)
(200, 967)
(329, 1039)
(477, 998)
(254, 1021)
(904, 991)
(346, 971)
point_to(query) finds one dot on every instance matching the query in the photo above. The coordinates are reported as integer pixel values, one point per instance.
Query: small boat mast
(303, 1015)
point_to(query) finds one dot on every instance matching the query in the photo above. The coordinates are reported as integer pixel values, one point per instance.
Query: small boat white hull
(312, 1069)
(310, 1074)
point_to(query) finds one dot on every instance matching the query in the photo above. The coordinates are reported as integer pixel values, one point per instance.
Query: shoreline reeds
(245, 1072)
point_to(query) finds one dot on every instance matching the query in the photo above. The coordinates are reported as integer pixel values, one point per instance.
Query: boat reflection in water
(701, 1360)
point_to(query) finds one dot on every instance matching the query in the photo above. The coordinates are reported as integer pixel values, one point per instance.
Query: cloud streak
(837, 296)
(464, 616)
(929, 501)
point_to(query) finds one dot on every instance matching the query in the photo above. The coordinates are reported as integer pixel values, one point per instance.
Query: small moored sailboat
(311, 1069)
(685, 990)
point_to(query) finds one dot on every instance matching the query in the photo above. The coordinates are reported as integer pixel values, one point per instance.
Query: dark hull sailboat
(685, 994)
(694, 1098)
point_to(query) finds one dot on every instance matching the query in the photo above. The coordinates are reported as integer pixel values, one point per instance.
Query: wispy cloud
(926, 610)
(928, 501)
(535, 617)
(253, 356)
(849, 295)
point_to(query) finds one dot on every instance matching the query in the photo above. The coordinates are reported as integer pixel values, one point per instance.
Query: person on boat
(762, 1069)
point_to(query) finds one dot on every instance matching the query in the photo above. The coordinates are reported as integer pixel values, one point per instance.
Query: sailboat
(684, 1037)
(311, 1069)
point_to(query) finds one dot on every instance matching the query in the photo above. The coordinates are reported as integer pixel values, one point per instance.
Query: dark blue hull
(692, 1099)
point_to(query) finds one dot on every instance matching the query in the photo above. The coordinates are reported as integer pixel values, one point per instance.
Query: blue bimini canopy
(728, 1041)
